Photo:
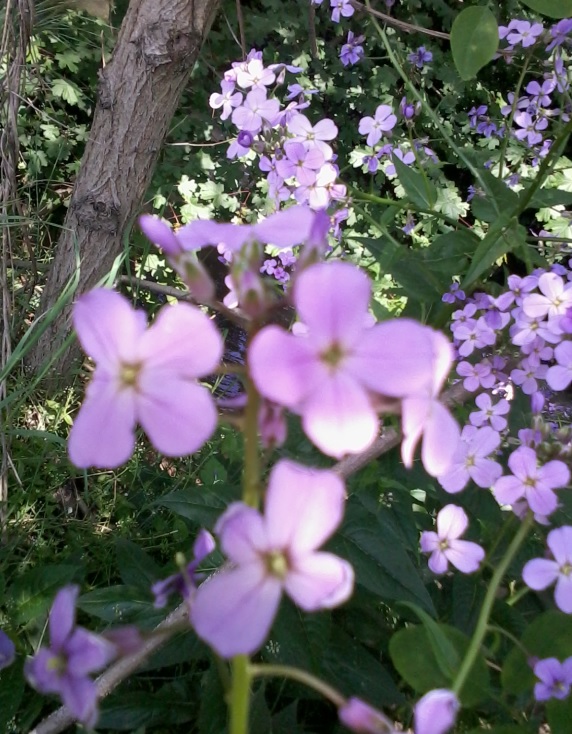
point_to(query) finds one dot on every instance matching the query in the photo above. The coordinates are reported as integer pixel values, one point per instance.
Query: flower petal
(560, 543)
(452, 521)
(319, 581)
(303, 506)
(62, 616)
(465, 555)
(87, 652)
(242, 533)
(540, 573)
(80, 697)
(178, 416)
(563, 593)
(234, 610)
(103, 433)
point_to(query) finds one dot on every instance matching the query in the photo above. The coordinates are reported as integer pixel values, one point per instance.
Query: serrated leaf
(66, 90)
(551, 8)
(474, 40)
(419, 189)
(412, 654)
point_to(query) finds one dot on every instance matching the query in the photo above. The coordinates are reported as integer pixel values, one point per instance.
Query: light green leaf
(474, 40)
(66, 90)
(551, 8)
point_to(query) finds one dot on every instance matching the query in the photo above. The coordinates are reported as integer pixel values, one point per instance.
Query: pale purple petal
(438, 562)
(441, 434)
(287, 228)
(560, 543)
(283, 367)
(485, 473)
(523, 463)
(559, 377)
(7, 650)
(319, 581)
(465, 555)
(429, 541)
(108, 327)
(103, 433)
(158, 231)
(80, 697)
(436, 712)
(184, 339)
(452, 521)
(554, 474)
(177, 415)
(303, 506)
(507, 490)
(87, 653)
(242, 533)
(563, 593)
(338, 416)
(234, 610)
(332, 300)
(540, 573)
(40, 673)
(62, 616)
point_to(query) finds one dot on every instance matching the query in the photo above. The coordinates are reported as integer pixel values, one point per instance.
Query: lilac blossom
(409, 110)
(341, 8)
(470, 460)
(527, 374)
(533, 483)
(383, 121)
(420, 57)
(330, 374)
(481, 121)
(554, 679)
(530, 127)
(228, 99)
(185, 583)
(559, 376)
(540, 573)
(352, 51)
(300, 162)
(559, 33)
(358, 716)
(445, 546)
(255, 110)
(474, 336)
(521, 31)
(143, 375)
(7, 650)
(476, 375)
(454, 294)
(490, 412)
(73, 654)
(436, 712)
(254, 75)
(313, 136)
(555, 299)
(540, 93)
(407, 158)
(274, 553)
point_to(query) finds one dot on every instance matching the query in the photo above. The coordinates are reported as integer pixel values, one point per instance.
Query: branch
(401, 24)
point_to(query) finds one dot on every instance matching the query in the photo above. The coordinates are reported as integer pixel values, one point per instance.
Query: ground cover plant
(313, 474)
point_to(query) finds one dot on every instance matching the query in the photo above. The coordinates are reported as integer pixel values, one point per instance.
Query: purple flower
(7, 650)
(352, 51)
(436, 712)
(555, 678)
(490, 413)
(470, 460)
(143, 375)
(521, 31)
(476, 375)
(300, 162)
(383, 121)
(445, 546)
(420, 57)
(536, 484)
(255, 110)
(274, 553)
(531, 127)
(64, 667)
(559, 376)
(185, 582)
(559, 33)
(341, 8)
(313, 136)
(407, 109)
(540, 573)
(358, 716)
(228, 99)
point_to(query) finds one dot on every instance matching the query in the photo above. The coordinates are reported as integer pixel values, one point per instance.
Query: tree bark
(138, 93)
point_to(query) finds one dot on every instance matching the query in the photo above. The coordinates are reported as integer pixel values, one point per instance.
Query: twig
(241, 32)
(312, 31)
(401, 24)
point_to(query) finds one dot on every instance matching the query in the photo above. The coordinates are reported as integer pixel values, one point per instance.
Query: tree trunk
(138, 93)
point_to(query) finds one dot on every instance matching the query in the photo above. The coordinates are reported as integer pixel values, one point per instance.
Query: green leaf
(11, 692)
(550, 635)
(198, 505)
(212, 715)
(498, 198)
(66, 90)
(133, 709)
(445, 654)
(413, 655)
(136, 567)
(419, 189)
(559, 715)
(474, 40)
(496, 244)
(551, 8)
(34, 592)
(507, 729)
(381, 564)
(550, 197)
(120, 604)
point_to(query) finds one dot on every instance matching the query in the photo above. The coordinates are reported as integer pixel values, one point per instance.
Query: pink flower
(445, 546)
(536, 484)
(333, 372)
(143, 375)
(272, 553)
(543, 572)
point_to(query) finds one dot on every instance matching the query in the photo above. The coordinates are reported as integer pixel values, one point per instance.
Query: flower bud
(436, 712)
(364, 719)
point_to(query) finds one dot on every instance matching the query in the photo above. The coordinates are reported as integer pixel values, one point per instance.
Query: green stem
(286, 671)
(506, 138)
(512, 638)
(515, 598)
(486, 609)
(239, 695)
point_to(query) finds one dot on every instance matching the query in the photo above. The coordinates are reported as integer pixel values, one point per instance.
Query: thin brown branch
(401, 24)
(241, 32)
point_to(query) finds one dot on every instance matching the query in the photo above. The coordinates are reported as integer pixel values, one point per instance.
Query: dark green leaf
(551, 8)
(550, 197)
(493, 247)
(474, 40)
(444, 651)
(413, 656)
(420, 190)
(200, 506)
(212, 715)
(130, 710)
(559, 715)
(120, 604)
(136, 567)
(11, 691)
(34, 592)
(497, 198)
